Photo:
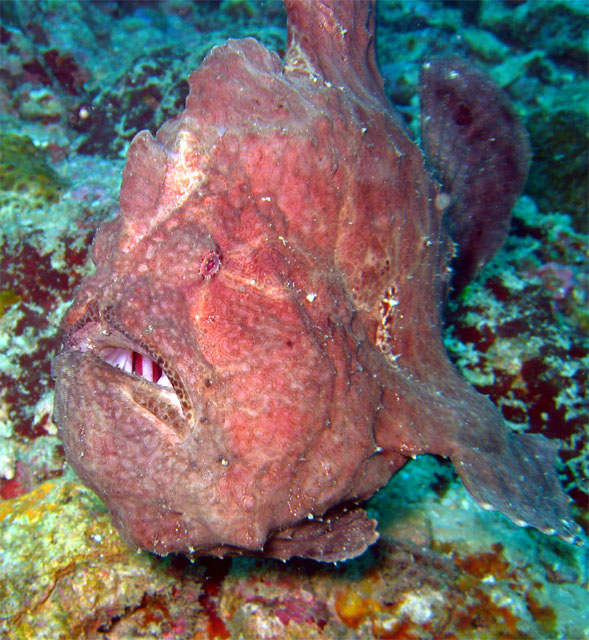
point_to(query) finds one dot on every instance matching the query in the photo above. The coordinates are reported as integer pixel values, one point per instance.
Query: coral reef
(521, 336)
(67, 573)
(560, 182)
(24, 170)
(535, 586)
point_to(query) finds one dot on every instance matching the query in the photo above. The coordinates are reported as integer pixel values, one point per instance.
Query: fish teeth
(164, 381)
(119, 358)
(133, 362)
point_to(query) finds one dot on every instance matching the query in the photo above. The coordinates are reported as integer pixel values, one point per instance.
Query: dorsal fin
(334, 39)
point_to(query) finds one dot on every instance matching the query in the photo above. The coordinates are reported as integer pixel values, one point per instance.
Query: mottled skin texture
(279, 253)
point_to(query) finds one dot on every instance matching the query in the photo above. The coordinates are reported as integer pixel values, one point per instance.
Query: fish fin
(503, 471)
(520, 481)
(340, 534)
(334, 40)
(143, 184)
(479, 149)
(143, 175)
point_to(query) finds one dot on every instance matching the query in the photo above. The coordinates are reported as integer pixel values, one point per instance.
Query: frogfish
(260, 345)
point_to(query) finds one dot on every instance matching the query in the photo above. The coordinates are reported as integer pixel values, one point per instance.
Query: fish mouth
(138, 364)
(152, 382)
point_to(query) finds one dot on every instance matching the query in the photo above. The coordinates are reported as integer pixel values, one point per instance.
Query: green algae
(24, 169)
(558, 175)
(8, 298)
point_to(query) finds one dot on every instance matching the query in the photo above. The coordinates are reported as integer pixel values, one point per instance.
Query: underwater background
(77, 80)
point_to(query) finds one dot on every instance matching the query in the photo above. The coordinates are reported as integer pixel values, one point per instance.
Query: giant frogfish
(259, 348)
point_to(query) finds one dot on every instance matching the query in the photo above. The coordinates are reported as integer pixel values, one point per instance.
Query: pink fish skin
(259, 348)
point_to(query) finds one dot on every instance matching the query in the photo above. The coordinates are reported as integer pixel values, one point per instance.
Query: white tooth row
(164, 381)
(119, 358)
(123, 359)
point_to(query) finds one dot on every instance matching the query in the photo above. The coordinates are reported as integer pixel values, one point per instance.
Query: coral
(126, 595)
(558, 177)
(520, 337)
(559, 28)
(238, 8)
(67, 574)
(56, 547)
(66, 71)
(37, 288)
(150, 90)
(24, 169)
(34, 288)
(7, 299)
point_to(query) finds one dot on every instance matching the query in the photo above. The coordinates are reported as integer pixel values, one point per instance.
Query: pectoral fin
(338, 535)
(519, 480)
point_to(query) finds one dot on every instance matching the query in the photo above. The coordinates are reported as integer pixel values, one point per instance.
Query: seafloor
(77, 80)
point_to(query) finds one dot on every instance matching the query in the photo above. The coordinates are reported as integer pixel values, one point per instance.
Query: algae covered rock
(558, 175)
(64, 569)
(24, 169)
